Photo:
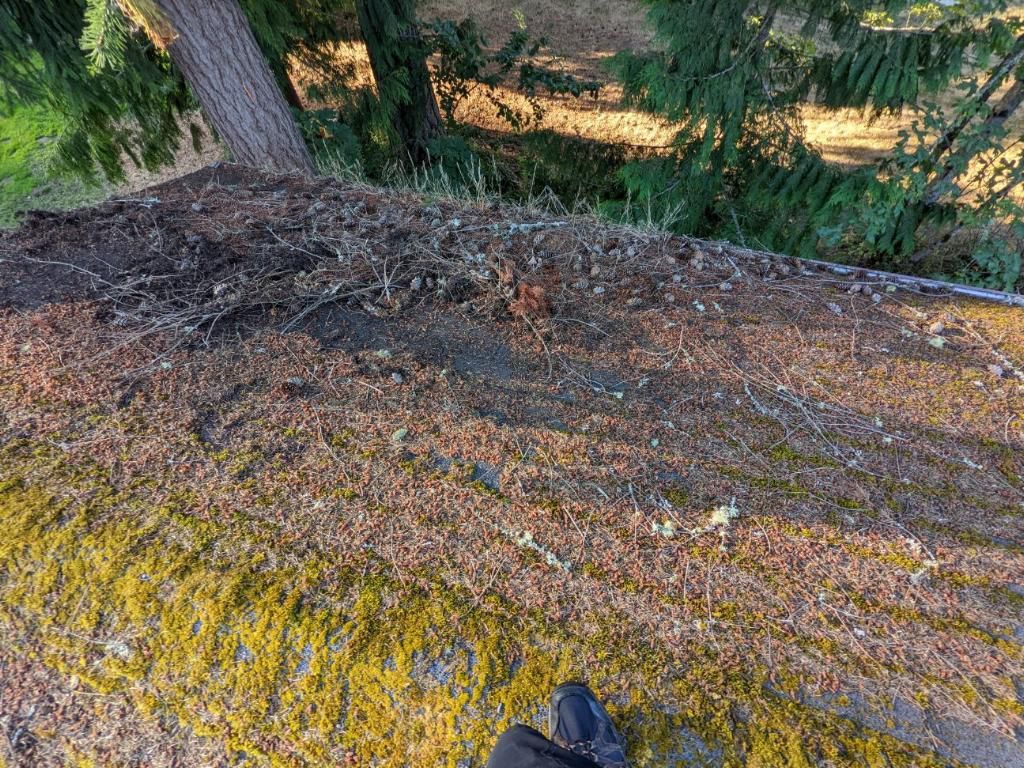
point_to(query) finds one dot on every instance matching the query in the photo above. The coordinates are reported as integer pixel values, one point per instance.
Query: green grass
(27, 136)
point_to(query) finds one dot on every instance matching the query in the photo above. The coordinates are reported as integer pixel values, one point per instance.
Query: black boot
(580, 724)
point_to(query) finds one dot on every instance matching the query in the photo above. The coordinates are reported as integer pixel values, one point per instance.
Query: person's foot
(579, 723)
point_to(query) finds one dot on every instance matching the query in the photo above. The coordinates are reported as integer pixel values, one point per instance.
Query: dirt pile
(322, 473)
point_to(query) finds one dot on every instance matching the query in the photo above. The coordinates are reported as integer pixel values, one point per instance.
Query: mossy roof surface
(301, 473)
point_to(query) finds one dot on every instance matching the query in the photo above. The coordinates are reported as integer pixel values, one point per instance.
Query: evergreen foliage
(131, 108)
(740, 166)
(116, 90)
(465, 65)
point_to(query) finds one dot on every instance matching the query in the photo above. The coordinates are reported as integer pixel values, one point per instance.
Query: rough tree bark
(211, 43)
(399, 65)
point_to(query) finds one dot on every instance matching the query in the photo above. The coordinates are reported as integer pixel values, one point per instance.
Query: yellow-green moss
(677, 497)
(293, 664)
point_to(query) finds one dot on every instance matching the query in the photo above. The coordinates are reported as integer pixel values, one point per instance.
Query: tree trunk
(399, 65)
(291, 93)
(211, 43)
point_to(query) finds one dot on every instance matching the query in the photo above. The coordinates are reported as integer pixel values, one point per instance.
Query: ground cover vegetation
(459, 98)
(299, 472)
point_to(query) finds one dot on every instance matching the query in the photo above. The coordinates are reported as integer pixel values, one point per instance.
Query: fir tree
(120, 94)
(740, 165)
(398, 58)
(211, 44)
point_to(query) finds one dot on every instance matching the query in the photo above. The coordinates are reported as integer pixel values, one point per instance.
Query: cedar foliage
(117, 92)
(740, 166)
(407, 108)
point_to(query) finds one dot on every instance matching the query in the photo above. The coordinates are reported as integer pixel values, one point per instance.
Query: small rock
(716, 249)
(936, 328)
(383, 354)
(855, 288)
(595, 271)
(435, 223)
(677, 278)
(399, 435)
(636, 301)
(996, 370)
(198, 207)
(783, 269)
(296, 381)
(725, 286)
(581, 285)
(670, 298)
(631, 251)
(834, 308)
(867, 290)
(397, 377)
(598, 290)
(876, 297)
(416, 283)
(455, 223)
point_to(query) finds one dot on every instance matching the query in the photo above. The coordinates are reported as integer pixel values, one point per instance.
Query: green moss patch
(303, 663)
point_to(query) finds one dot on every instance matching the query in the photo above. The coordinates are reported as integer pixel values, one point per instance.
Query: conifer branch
(1010, 63)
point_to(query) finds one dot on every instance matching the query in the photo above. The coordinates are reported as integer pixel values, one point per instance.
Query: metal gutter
(918, 284)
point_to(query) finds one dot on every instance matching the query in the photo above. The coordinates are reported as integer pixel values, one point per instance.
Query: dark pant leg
(522, 747)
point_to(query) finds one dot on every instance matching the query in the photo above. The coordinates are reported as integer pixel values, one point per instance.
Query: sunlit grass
(26, 145)
(580, 34)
